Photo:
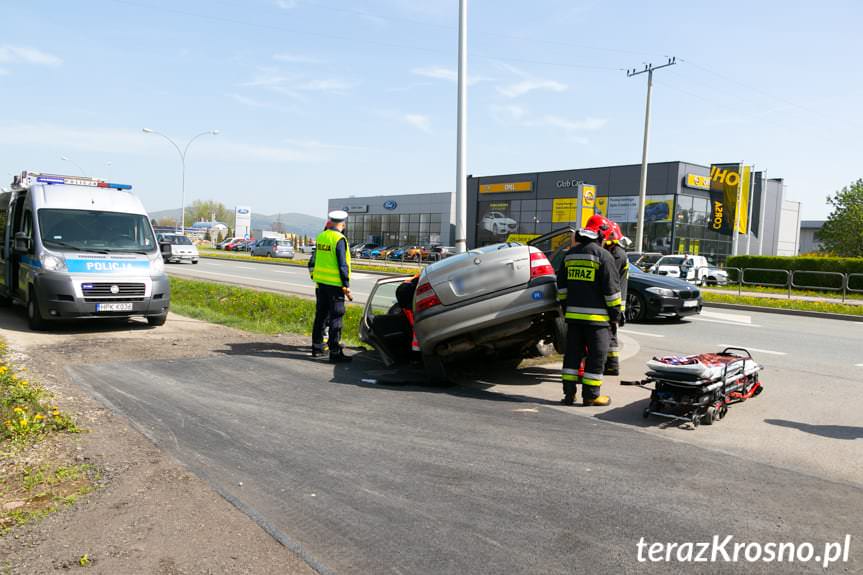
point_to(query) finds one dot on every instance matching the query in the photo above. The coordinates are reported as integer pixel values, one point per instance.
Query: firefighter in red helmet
(589, 291)
(621, 264)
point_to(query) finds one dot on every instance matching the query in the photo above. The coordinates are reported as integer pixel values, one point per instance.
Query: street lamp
(183, 165)
(80, 169)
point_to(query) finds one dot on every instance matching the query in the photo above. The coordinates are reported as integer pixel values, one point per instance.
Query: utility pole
(648, 68)
(461, 138)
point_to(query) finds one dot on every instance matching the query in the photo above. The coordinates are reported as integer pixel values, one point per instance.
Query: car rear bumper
(478, 318)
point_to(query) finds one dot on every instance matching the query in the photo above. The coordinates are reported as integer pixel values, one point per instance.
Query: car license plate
(119, 306)
(690, 303)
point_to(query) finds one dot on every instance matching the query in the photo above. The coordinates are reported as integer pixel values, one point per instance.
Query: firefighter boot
(601, 401)
(568, 393)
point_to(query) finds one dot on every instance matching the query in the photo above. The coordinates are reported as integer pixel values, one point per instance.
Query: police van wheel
(157, 320)
(34, 318)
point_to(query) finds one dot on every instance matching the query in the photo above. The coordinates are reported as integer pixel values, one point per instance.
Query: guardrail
(841, 282)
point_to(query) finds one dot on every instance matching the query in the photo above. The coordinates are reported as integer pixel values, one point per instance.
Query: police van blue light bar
(72, 181)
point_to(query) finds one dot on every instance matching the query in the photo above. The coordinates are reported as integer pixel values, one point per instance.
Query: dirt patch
(129, 508)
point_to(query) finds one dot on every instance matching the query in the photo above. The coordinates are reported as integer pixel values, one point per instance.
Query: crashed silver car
(497, 302)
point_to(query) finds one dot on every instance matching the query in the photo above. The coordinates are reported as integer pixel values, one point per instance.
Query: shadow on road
(831, 431)
(13, 319)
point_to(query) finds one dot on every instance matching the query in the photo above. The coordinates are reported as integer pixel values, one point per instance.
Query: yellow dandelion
(39, 417)
(17, 409)
(23, 422)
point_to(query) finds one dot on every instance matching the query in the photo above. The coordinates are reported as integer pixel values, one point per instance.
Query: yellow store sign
(564, 210)
(505, 187)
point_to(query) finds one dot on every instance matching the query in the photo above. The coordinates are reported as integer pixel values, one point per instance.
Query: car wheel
(34, 316)
(435, 369)
(636, 308)
(157, 320)
(194, 261)
(559, 335)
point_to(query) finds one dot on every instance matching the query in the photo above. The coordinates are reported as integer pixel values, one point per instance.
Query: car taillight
(425, 297)
(539, 265)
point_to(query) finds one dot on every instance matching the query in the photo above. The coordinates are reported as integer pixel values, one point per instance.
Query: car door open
(383, 325)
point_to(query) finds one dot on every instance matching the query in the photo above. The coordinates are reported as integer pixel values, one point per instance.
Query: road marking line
(727, 316)
(735, 323)
(859, 365)
(246, 268)
(768, 351)
(629, 331)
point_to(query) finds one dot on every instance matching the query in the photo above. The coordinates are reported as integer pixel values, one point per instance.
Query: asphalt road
(368, 478)
(280, 278)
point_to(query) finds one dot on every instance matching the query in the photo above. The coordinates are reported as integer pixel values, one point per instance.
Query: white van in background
(75, 247)
(177, 248)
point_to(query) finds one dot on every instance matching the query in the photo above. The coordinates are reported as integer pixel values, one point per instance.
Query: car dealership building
(683, 213)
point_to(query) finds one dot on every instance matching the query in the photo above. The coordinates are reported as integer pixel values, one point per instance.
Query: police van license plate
(690, 303)
(119, 306)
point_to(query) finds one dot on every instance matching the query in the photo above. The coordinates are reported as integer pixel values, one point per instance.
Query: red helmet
(597, 226)
(614, 235)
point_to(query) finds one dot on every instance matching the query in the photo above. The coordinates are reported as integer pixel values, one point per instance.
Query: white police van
(75, 247)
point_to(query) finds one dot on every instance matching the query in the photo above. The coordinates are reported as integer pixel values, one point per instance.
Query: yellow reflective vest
(326, 269)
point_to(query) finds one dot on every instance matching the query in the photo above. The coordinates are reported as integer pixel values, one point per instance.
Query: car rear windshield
(177, 240)
(671, 261)
(96, 231)
(284, 244)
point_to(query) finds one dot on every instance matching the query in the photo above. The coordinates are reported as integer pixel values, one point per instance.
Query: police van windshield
(95, 231)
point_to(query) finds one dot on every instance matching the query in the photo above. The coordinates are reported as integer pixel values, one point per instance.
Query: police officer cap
(337, 216)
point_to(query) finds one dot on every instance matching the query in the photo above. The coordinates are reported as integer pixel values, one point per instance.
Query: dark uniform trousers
(612, 364)
(584, 339)
(329, 309)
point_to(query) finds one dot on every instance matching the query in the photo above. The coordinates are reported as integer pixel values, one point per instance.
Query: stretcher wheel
(710, 415)
(696, 420)
(758, 390)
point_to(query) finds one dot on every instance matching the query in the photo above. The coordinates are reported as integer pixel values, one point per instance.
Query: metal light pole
(642, 193)
(183, 169)
(461, 138)
(80, 169)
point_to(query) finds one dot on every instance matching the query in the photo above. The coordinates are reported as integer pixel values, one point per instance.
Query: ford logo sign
(243, 211)
(390, 205)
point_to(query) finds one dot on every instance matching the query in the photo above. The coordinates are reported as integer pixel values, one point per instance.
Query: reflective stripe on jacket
(589, 286)
(326, 270)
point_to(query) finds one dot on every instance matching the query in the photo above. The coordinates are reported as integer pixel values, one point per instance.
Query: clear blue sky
(326, 98)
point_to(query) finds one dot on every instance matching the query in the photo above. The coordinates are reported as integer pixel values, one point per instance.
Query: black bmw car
(652, 296)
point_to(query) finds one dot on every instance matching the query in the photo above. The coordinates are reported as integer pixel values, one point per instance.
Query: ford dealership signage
(390, 205)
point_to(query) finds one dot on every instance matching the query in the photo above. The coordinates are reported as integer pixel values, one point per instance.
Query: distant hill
(292, 222)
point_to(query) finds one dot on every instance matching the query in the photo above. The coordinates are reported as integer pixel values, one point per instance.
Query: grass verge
(31, 490)
(816, 306)
(252, 310)
(355, 266)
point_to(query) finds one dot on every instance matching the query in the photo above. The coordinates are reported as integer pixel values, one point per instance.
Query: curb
(781, 311)
(276, 263)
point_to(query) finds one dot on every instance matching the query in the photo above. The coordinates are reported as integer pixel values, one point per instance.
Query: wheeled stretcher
(699, 388)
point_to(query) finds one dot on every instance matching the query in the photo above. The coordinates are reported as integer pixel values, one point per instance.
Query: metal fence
(788, 280)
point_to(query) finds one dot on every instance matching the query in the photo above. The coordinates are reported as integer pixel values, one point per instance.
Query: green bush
(800, 263)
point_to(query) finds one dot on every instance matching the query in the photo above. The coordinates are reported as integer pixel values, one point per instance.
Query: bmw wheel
(636, 308)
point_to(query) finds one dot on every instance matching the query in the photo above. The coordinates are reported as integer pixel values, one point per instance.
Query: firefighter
(589, 289)
(621, 263)
(330, 266)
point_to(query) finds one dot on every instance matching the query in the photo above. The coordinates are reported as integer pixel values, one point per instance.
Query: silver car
(496, 302)
(273, 248)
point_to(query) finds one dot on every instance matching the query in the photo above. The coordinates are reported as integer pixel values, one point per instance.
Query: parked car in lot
(417, 253)
(177, 248)
(497, 302)
(233, 244)
(396, 254)
(652, 296)
(438, 253)
(361, 250)
(273, 248)
(381, 253)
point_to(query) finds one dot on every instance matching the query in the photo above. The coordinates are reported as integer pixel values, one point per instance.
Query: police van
(75, 247)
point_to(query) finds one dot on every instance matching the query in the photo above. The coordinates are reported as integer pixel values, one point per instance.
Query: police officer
(330, 266)
(589, 288)
(621, 263)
